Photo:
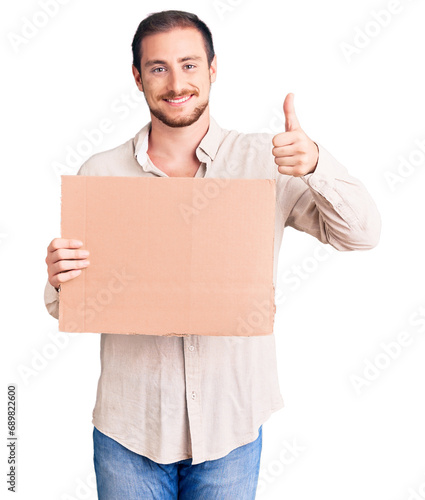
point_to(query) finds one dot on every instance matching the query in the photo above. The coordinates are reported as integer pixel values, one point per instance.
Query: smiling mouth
(179, 100)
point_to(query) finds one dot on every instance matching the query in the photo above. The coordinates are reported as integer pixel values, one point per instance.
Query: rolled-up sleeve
(331, 205)
(51, 300)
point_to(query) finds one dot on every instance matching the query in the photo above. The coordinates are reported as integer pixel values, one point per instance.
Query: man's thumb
(291, 120)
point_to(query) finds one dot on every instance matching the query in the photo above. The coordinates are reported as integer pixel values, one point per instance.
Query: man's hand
(64, 260)
(295, 153)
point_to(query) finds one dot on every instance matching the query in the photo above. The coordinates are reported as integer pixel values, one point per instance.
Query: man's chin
(184, 121)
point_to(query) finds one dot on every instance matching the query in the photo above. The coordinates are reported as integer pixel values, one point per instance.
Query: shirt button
(193, 395)
(191, 348)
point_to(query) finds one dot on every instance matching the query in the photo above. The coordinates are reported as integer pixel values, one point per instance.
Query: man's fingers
(294, 153)
(66, 270)
(67, 254)
(64, 243)
(68, 265)
(286, 138)
(290, 150)
(63, 277)
(288, 161)
(65, 260)
(293, 171)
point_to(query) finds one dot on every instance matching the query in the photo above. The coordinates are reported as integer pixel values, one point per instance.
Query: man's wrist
(317, 161)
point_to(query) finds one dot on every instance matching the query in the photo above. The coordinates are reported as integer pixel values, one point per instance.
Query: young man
(182, 416)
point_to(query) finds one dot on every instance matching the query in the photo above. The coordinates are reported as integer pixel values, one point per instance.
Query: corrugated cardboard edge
(87, 245)
(70, 326)
(61, 312)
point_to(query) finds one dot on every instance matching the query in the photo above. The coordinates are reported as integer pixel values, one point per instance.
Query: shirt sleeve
(51, 300)
(331, 205)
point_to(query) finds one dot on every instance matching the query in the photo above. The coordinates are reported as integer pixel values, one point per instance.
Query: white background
(367, 109)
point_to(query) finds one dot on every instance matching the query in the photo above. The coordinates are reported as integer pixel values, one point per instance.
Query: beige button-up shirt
(200, 397)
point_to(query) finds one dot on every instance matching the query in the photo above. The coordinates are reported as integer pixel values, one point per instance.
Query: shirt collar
(141, 145)
(208, 146)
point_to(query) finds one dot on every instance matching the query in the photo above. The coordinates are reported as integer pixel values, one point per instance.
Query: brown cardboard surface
(170, 255)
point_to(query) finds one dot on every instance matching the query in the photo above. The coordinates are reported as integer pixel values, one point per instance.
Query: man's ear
(213, 69)
(137, 77)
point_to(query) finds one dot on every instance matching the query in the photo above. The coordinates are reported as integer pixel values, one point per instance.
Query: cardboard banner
(170, 255)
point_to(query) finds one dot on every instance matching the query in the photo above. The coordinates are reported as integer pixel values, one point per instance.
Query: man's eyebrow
(152, 62)
(190, 58)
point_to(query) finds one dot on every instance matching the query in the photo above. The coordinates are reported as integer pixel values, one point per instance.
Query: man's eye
(189, 66)
(158, 70)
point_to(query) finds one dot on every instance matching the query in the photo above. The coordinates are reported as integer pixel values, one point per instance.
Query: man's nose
(175, 81)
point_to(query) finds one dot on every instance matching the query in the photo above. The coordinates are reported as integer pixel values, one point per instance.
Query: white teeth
(183, 99)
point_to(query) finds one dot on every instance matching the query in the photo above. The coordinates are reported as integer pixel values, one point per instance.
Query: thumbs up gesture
(295, 153)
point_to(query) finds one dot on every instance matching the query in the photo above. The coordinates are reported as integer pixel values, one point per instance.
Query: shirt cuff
(326, 171)
(51, 300)
(326, 181)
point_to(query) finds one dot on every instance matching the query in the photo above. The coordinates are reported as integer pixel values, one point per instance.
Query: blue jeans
(124, 475)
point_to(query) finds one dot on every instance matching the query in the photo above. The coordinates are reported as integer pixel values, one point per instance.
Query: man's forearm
(332, 205)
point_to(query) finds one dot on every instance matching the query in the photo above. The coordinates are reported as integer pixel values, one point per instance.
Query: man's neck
(177, 145)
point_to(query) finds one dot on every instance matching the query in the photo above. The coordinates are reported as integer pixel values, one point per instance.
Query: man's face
(175, 76)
